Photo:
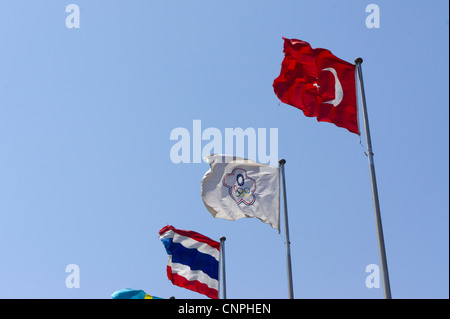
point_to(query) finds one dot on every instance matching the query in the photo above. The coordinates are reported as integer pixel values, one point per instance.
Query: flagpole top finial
(282, 161)
(223, 238)
(358, 60)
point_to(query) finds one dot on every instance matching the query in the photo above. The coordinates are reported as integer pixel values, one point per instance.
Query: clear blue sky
(86, 176)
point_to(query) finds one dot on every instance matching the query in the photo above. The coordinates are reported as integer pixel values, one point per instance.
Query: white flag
(235, 188)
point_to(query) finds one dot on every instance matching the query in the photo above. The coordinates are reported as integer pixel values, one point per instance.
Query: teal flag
(128, 293)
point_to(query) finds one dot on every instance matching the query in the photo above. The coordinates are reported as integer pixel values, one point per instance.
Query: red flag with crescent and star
(318, 83)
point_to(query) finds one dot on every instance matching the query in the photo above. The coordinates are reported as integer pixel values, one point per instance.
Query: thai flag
(193, 260)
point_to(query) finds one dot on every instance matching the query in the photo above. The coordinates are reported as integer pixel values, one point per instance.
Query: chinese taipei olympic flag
(193, 260)
(235, 188)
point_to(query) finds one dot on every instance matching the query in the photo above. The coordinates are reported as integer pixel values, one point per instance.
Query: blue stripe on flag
(192, 257)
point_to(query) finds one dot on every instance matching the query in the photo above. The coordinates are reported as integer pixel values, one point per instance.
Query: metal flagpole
(222, 258)
(376, 204)
(286, 231)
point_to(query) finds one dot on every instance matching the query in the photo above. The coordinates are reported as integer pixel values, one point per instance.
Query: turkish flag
(318, 83)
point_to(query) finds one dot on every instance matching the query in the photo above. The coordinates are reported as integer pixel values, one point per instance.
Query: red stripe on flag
(193, 235)
(193, 285)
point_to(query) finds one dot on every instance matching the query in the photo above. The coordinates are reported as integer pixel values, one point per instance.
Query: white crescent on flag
(338, 92)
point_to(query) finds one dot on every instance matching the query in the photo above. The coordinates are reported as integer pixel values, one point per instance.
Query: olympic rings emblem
(242, 192)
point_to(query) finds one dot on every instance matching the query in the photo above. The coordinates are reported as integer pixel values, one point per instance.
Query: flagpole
(286, 232)
(222, 252)
(376, 204)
